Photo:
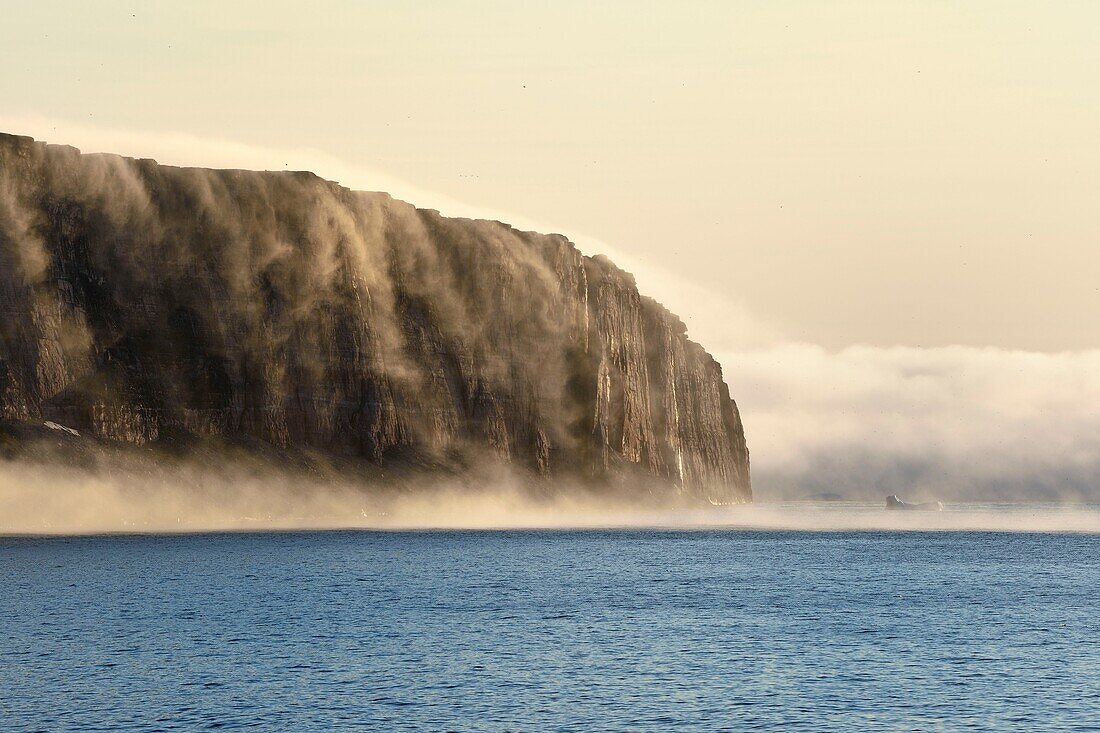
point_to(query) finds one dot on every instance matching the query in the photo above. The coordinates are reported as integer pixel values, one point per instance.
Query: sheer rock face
(140, 301)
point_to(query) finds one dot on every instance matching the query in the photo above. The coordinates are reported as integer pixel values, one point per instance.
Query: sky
(880, 216)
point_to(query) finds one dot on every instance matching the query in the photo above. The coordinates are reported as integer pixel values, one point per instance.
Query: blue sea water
(632, 630)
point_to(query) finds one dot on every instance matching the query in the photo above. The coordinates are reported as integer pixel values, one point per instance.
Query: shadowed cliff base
(232, 316)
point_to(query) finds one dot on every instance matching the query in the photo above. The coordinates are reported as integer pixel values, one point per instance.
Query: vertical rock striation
(142, 303)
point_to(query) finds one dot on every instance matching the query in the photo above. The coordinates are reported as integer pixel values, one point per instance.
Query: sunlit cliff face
(152, 306)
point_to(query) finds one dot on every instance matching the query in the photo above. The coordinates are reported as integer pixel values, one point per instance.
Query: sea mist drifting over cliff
(131, 494)
(953, 423)
(959, 423)
(281, 316)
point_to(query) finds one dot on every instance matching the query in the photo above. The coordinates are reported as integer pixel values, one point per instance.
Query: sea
(687, 627)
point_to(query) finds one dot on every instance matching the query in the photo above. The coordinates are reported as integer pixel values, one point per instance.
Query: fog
(129, 495)
(957, 423)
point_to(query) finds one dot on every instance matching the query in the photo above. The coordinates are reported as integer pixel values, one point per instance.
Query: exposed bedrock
(141, 303)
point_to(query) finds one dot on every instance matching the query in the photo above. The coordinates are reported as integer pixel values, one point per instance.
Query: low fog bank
(41, 499)
(954, 423)
(847, 516)
(120, 492)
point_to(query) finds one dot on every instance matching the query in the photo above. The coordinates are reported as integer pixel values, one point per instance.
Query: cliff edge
(142, 304)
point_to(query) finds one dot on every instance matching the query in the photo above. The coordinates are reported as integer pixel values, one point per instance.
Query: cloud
(954, 422)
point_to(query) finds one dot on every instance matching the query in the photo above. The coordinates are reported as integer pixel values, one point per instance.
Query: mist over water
(952, 424)
(39, 499)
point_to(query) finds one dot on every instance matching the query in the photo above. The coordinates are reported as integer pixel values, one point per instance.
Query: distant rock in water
(148, 305)
(893, 502)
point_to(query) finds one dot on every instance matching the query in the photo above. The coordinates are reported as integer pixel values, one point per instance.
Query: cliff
(143, 304)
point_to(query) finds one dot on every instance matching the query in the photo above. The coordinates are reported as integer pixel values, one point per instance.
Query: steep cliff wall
(143, 303)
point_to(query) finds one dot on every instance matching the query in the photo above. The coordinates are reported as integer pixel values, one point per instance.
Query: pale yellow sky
(881, 172)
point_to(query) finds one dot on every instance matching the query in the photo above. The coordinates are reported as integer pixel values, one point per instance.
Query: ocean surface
(564, 630)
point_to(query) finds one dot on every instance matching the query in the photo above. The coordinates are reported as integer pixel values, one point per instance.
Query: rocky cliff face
(143, 303)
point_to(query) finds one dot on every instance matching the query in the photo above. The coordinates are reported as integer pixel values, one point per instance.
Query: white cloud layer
(956, 422)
